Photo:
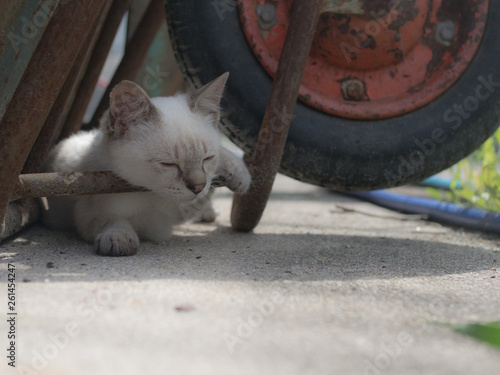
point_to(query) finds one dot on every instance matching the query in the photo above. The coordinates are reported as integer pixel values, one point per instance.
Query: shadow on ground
(222, 254)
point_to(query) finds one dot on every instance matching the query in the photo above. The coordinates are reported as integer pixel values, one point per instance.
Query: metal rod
(75, 183)
(99, 55)
(266, 159)
(135, 51)
(37, 185)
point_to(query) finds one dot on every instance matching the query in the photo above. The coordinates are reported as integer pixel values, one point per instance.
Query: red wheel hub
(370, 58)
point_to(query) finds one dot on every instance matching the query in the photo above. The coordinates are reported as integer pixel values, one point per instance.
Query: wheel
(363, 138)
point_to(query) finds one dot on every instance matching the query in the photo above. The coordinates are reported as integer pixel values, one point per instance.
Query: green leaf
(479, 178)
(489, 333)
(434, 193)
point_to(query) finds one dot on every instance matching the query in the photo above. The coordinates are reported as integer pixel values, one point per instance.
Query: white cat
(168, 145)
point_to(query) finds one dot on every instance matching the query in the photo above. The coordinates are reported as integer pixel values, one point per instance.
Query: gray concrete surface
(325, 285)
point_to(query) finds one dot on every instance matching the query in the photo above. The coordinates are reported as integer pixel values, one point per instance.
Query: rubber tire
(337, 153)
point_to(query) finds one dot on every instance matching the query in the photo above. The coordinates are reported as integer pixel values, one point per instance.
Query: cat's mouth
(188, 194)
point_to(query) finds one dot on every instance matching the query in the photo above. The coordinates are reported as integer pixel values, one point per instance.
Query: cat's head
(169, 145)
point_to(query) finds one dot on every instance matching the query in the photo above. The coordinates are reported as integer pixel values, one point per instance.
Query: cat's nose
(196, 188)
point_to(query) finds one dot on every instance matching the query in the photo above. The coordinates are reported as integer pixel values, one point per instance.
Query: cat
(168, 145)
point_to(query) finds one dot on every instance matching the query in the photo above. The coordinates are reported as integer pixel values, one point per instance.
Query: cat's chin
(186, 200)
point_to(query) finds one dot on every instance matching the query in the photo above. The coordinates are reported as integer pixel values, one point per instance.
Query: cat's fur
(169, 145)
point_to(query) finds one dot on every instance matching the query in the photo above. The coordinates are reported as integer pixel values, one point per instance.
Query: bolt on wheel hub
(373, 59)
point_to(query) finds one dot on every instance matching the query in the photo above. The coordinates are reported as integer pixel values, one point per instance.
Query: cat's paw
(116, 243)
(238, 180)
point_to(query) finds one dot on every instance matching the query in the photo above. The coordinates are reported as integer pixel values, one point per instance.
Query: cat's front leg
(111, 234)
(118, 238)
(232, 172)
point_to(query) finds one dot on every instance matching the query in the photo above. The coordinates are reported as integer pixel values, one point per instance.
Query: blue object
(434, 209)
(439, 183)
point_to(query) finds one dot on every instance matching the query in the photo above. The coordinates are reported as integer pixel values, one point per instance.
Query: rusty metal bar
(35, 185)
(135, 51)
(96, 63)
(75, 183)
(38, 89)
(55, 120)
(22, 25)
(265, 161)
(136, 12)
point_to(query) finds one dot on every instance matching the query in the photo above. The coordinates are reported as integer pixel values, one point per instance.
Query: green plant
(476, 183)
(476, 179)
(489, 333)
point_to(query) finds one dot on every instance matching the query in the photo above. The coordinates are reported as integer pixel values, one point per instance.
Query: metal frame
(48, 103)
(50, 98)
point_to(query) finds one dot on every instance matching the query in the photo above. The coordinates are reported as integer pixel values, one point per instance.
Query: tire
(339, 153)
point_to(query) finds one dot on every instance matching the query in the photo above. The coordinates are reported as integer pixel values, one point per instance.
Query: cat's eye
(209, 158)
(166, 164)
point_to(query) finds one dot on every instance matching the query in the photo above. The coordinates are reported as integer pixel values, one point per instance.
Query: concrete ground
(325, 285)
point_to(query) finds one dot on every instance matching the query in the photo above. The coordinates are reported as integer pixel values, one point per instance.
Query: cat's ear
(206, 99)
(128, 105)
